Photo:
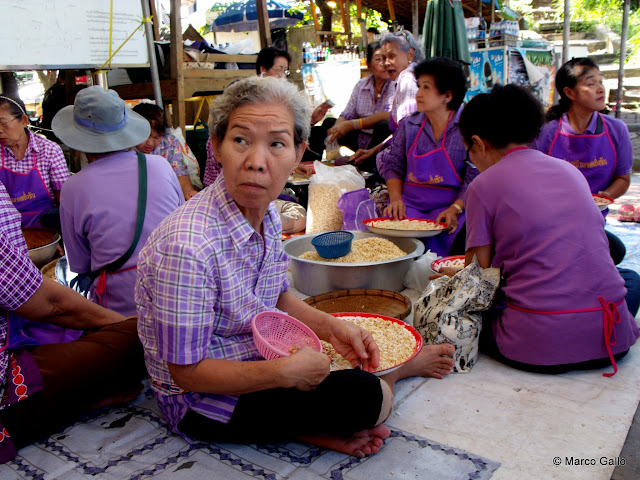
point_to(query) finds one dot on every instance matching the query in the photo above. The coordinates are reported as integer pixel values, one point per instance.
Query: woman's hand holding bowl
(450, 217)
(395, 209)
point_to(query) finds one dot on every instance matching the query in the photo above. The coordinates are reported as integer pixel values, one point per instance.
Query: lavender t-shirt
(549, 241)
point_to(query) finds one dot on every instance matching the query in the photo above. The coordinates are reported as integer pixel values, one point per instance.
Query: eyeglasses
(282, 72)
(6, 124)
(467, 158)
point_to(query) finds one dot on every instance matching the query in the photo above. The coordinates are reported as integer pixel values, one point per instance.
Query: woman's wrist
(457, 208)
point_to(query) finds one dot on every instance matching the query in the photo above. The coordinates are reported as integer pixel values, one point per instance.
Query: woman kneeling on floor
(45, 387)
(531, 215)
(216, 262)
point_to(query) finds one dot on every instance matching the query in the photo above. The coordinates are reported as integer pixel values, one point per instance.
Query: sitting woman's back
(533, 216)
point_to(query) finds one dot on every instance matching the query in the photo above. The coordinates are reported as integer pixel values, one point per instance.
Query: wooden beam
(263, 23)
(359, 9)
(392, 13)
(178, 107)
(156, 21)
(343, 14)
(314, 14)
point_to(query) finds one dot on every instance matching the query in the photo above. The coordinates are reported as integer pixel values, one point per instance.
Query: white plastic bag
(418, 275)
(325, 189)
(189, 158)
(449, 311)
(293, 216)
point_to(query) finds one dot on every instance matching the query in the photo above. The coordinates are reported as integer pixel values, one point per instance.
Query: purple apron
(593, 154)
(24, 333)
(28, 192)
(431, 185)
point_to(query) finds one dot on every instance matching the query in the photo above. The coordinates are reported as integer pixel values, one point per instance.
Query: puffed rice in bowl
(397, 341)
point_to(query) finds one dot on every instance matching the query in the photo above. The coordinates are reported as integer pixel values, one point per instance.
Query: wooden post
(177, 61)
(314, 14)
(415, 17)
(156, 21)
(392, 14)
(263, 23)
(343, 14)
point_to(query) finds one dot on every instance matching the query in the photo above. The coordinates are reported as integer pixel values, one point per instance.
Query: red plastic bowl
(413, 331)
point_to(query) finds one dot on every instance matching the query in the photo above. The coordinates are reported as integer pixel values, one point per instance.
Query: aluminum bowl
(312, 277)
(42, 255)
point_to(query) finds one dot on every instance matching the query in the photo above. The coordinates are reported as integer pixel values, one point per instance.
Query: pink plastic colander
(275, 334)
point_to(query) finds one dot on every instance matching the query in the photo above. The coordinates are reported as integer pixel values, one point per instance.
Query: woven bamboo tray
(381, 302)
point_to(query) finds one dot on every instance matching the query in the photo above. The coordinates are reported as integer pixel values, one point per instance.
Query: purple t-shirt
(363, 103)
(617, 130)
(98, 212)
(395, 165)
(549, 242)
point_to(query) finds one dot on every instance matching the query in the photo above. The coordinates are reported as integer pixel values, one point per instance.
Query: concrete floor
(631, 449)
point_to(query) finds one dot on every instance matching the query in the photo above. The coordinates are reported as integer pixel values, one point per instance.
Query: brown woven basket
(381, 302)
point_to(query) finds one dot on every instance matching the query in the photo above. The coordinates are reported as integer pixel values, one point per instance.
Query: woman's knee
(387, 402)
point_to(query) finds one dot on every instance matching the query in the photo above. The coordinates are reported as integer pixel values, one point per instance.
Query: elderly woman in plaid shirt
(215, 263)
(45, 387)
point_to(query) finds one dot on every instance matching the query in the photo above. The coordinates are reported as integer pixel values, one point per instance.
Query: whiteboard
(62, 34)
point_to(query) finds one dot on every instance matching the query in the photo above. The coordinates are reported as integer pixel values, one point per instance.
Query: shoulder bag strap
(142, 207)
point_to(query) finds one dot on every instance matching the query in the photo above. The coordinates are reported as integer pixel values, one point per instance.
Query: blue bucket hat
(99, 121)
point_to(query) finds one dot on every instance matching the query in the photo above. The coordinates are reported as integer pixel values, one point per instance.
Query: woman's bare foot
(432, 361)
(360, 444)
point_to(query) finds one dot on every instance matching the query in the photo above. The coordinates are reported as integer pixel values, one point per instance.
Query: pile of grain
(407, 225)
(371, 249)
(323, 214)
(395, 342)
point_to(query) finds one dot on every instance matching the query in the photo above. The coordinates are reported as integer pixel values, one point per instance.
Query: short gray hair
(405, 41)
(253, 90)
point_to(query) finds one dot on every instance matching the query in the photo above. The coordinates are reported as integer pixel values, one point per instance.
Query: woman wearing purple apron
(425, 169)
(562, 305)
(598, 145)
(33, 168)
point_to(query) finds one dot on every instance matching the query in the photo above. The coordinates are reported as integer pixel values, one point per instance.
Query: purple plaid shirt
(203, 274)
(49, 160)
(212, 168)
(404, 101)
(362, 103)
(19, 280)
(169, 148)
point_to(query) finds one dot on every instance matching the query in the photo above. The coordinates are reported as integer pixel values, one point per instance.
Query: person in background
(55, 98)
(425, 169)
(164, 144)
(598, 145)
(364, 122)
(218, 261)
(402, 53)
(273, 62)
(99, 206)
(565, 305)
(43, 388)
(33, 168)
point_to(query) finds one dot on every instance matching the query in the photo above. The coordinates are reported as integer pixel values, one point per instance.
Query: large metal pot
(312, 277)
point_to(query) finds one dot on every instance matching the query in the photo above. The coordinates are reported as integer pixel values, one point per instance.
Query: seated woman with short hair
(218, 261)
(565, 306)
